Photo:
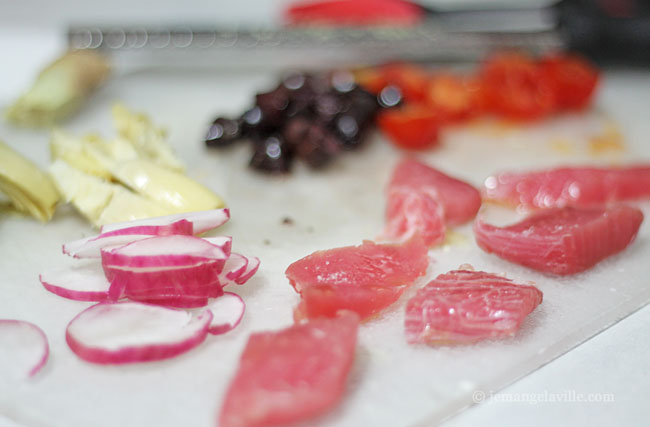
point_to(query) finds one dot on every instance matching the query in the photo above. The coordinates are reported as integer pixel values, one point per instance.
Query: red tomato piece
(411, 79)
(414, 126)
(453, 97)
(574, 79)
(515, 87)
(371, 79)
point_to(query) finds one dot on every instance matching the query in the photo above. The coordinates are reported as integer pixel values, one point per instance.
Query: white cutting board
(392, 383)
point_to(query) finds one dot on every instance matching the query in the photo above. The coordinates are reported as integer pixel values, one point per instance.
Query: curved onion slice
(177, 270)
(81, 282)
(224, 242)
(177, 301)
(23, 350)
(251, 268)
(89, 247)
(163, 251)
(202, 221)
(227, 312)
(127, 332)
(201, 280)
(234, 267)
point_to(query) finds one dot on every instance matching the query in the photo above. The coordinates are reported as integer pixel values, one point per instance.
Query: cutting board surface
(392, 383)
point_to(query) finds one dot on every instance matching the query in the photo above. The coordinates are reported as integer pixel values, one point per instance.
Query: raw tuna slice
(562, 240)
(423, 200)
(464, 306)
(364, 279)
(291, 375)
(410, 213)
(460, 201)
(579, 186)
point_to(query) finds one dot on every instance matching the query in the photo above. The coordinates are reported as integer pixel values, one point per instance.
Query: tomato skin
(574, 79)
(411, 79)
(371, 79)
(414, 126)
(515, 87)
(454, 98)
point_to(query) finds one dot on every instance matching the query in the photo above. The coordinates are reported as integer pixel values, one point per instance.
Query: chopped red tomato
(454, 98)
(371, 79)
(515, 87)
(574, 79)
(411, 79)
(414, 126)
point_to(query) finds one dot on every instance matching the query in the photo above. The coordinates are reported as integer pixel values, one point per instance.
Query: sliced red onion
(89, 247)
(159, 283)
(127, 332)
(82, 282)
(234, 267)
(163, 251)
(116, 290)
(227, 312)
(251, 268)
(169, 270)
(224, 242)
(178, 301)
(202, 220)
(23, 350)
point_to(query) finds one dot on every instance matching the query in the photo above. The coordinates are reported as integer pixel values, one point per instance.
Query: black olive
(271, 155)
(273, 105)
(223, 132)
(319, 146)
(390, 96)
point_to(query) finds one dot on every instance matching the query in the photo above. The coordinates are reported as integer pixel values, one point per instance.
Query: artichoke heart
(147, 139)
(30, 190)
(60, 89)
(90, 154)
(75, 152)
(169, 188)
(99, 201)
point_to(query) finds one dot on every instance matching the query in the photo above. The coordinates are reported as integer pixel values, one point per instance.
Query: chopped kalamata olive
(301, 99)
(343, 81)
(271, 155)
(295, 131)
(389, 97)
(319, 83)
(294, 81)
(318, 147)
(252, 122)
(223, 132)
(310, 116)
(299, 107)
(351, 125)
(327, 106)
(348, 130)
(273, 105)
(361, 97)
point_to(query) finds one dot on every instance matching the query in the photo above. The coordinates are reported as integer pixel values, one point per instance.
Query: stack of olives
(310, 117)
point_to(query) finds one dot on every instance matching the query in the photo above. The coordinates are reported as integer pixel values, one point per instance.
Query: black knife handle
(607, 31)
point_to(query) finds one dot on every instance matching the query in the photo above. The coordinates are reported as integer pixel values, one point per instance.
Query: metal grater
(301, 47)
